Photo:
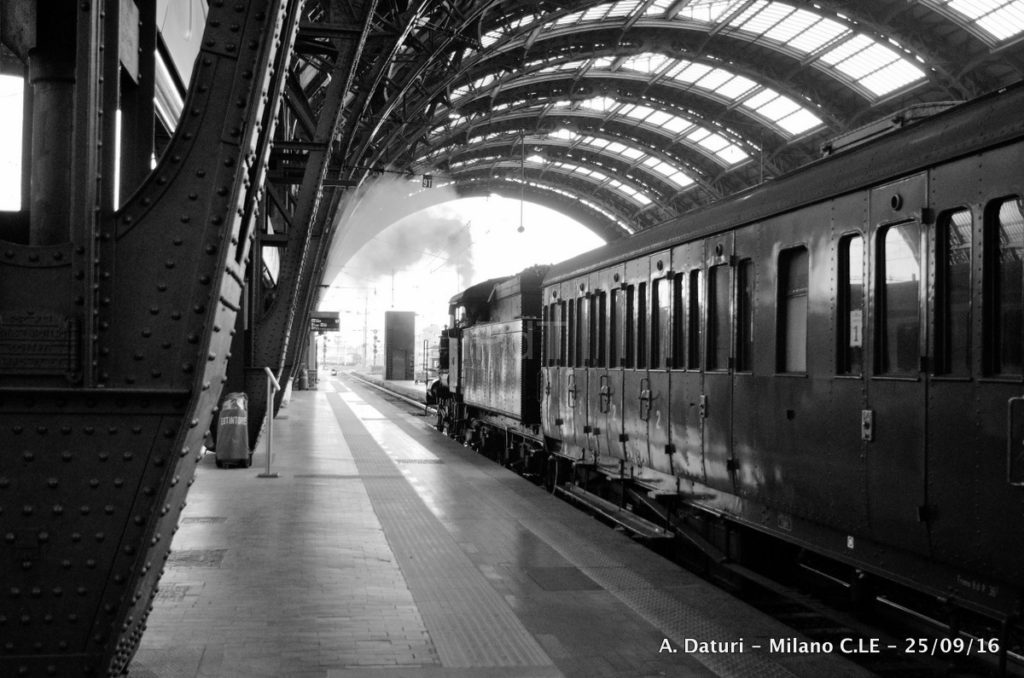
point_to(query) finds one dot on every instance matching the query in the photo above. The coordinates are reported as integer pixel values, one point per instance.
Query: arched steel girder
(784, 70)
(925, 31)
(780, 154)
(667, 94)
(618, 205)
(710, 175)
(655, 187)
(962, 62)
(598, 222)
(430, 36)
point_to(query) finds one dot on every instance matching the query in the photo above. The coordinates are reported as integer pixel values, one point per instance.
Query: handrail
(273, 385)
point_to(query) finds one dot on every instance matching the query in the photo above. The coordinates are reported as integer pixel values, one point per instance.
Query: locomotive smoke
(387, 227)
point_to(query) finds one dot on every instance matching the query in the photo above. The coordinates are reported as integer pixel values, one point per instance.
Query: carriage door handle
(606, 394)
(571, 391)
(645, 399)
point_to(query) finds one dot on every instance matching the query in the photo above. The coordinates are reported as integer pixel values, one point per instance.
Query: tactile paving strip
(470, 623)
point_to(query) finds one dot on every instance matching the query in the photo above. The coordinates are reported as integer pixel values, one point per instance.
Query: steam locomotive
(833, 360)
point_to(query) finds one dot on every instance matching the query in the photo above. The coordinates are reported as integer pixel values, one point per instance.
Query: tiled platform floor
(383, 550)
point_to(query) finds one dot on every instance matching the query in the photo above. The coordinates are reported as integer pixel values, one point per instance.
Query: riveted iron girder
(281, 329)
(114, 344)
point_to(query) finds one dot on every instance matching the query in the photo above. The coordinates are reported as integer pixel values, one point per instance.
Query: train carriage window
(719, 318)
(696, 294)
(745, 316)
(1004, 276)
(545, 319)
(570, 327)
(953, 293)
(678, 321)
(614, 331)
(599, 333)
(641, 326)
(582, 332)
(792, 305)
(563, 335)
(592, 311)
(850, 316)
(899, 326)
(661, 324)
(630, 327)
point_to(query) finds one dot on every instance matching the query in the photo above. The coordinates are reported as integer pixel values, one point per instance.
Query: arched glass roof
(664, 105)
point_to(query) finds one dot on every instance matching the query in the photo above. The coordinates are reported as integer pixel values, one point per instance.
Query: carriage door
(893, 425)
(636, 388)
(577, 387)
(716, 402)
(658, 404)
(569, 405)
(686, 425)
(604, 378)
(554, 347)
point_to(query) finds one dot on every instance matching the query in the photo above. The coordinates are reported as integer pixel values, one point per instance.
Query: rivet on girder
(84, 510)
(27, 510)
(169, 263)
(66, 455)
(94, 482)
(89, 430)
(28, 456)
(76, 536)
(108, 509)
(52, 482)
(58, 509)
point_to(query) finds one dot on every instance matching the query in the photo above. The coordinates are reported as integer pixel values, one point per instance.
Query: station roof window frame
(873, 67)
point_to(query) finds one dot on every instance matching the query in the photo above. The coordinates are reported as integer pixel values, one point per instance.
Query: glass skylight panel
(874, 59)
(491, 37)
(569, 19)
(709, 12)
(1004, 22)
(595, 13)
(892, 77)
(603, 62)
(793, 25)
(736, 87)
(689, 72)
(1001, 19)
(668, 171)
(624, 8)
(676, 125)
(659, 118)
(646, 63)
(714, 79)
(761, 22)
(658, 7)
(799, 122)
(600, 104)
(820, 33)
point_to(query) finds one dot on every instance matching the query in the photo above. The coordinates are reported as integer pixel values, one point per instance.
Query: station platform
(385, 550)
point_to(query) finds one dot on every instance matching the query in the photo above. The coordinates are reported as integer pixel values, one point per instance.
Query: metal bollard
(272, 387)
